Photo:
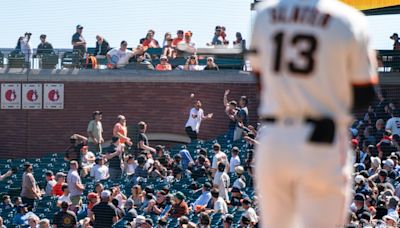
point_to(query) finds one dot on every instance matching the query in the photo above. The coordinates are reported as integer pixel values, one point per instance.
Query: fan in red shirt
(178, 39)
(60, 178)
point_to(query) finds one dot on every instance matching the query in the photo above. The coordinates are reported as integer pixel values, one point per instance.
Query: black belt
(324, 128)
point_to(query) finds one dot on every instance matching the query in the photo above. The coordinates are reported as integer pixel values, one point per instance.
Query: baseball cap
(188, 34)
(49, 173)
(60, 174)
(383, 173)
(129, 203)
(159, 147)
(359, 197)
(180, 195)
(105, 194)
(121, 117)
(183, 220)
(43, 36)
(389, 163)
(207, 185)
(235, 189)
(246, 201)
(27, 164)
(163, 57)
(358, 179)
(239, 170)
(394, 34)
(79, 27)
(140, 219)
(359, 167)
(97, 113)
(389, 217)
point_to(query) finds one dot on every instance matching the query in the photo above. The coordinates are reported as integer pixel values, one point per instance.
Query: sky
(130, 20)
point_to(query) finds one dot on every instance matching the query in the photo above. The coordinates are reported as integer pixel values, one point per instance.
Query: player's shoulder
(342, 12)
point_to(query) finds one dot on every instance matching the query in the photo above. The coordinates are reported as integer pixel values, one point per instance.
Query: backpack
(91, 62)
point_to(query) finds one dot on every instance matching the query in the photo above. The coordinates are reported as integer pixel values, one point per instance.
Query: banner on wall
(371, 4)
(31, 96)
(53, 96)
(10, 96)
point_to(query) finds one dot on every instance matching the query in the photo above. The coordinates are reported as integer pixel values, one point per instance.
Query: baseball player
(314, 62)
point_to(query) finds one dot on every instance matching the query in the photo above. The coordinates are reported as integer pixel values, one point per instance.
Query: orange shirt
(118, 128)
(163, 67)
(176, 41)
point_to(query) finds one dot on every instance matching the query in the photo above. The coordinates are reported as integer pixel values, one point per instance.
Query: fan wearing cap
(216, 204)
(88, 160)
(396, 44)
(57, 188)
(222, 181)
(359, 204)
(44, 47)
(78, 42)
(393, 124)
(240, 181)
(121, 131)
(64, 217)
(235, 160)
(227, 221)
(249, 212)
(202, 201)
(186, 47)
(50, 182)
(26, 48)
(163, 65)
(99, 171)
(180, 207)
(95, 132)
(219, 156)
(103, 214)
(178, 38)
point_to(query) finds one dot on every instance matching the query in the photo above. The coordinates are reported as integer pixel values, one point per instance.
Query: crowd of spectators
(375, 142)
(222, 191)
(181, 46)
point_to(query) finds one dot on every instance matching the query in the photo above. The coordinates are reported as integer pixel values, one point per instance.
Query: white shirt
(235, 161)
(239, 183)
(130, 168)
(119, 57)
(220, 206)
(26, 49)
(222, 181)
(251, 214)
(195, 118)
(63, 198)
(393, 124)
(219, 157)
(338, 54)
(99, 172)
(72, 179)
(85, 158)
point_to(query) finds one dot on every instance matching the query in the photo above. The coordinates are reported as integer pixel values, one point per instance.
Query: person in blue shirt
(203, 199)
(187, 160)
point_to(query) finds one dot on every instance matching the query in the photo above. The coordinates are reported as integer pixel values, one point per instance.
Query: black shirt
(115, 162)
(78, 38)
(65, 219)
(143, 137)
(215, 67)
(44, 48)
(104, 213)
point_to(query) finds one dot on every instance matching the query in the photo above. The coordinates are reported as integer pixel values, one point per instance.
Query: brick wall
(163, 105)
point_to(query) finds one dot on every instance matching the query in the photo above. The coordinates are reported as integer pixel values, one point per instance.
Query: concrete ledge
(168, 137)
(125, 75)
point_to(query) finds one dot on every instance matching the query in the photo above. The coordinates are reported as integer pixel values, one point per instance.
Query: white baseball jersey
(393, 124)
(308, 56)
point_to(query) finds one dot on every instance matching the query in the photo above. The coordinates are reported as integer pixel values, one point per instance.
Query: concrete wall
(162, 99)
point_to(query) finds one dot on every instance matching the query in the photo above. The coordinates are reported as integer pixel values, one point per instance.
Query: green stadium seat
(1, 59)
(154, 51)
(16, 60)
(71, 60)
